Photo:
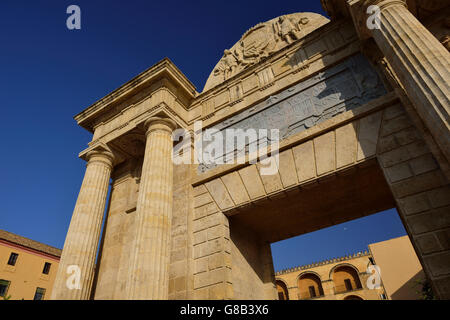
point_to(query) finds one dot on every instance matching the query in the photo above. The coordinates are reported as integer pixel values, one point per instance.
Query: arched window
(282, 290)
(353, 297)
(309, 286)
(345, 279)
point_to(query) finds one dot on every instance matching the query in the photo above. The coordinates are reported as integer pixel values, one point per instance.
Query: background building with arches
(346, 278)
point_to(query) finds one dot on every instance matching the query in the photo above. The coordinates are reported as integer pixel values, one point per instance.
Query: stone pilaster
(418, 59)
(149, 270)
(80, 247)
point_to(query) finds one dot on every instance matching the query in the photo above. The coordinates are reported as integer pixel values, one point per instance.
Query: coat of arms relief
(261, 41)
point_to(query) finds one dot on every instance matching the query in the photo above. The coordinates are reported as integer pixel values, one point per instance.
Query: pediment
(261, 41)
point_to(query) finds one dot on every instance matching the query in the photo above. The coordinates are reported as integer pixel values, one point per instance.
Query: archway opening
(353, 297)
(282, 290)
(330, 206)
(345, 279)
(309, 286)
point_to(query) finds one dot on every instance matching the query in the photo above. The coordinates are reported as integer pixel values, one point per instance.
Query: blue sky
(49, 74)
(337, 241)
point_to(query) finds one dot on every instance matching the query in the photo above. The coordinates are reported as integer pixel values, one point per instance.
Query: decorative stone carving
(348, 85)
(445, 40)
(261, 41)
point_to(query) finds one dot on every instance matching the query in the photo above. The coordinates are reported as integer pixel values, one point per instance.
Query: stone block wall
(386, 134)
(421, 191)
(211, 249)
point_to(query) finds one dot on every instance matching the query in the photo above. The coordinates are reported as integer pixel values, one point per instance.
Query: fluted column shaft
(149, 270)
(80, 247)
(421, 63)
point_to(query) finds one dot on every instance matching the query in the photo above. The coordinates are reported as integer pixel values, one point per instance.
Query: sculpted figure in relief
(287, 30)
(227, 65)
(262, 40)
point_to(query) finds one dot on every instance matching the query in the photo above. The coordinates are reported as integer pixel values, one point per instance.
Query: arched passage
(309, 286)
(353, 297)
(345, 278)
(282, 290)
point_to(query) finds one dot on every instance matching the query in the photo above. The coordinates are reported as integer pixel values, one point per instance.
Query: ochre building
(27, 268)
(362, 115)
(401, 272)
(399, 277)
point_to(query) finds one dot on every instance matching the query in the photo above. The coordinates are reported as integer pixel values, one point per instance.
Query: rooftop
(25, 242)
(320, 263)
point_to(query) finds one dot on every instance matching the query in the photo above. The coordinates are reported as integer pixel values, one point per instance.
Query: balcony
(307, 295)
(345, 288)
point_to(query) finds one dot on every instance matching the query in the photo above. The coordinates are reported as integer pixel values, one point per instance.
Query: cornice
(303, 136)
(163, 69)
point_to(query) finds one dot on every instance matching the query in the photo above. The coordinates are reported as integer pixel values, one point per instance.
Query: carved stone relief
(341, 88)
(261, 41)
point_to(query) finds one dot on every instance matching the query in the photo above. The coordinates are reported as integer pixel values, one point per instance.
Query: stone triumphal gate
(363, 117)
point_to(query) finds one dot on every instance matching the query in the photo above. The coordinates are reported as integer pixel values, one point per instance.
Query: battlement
(323, 262)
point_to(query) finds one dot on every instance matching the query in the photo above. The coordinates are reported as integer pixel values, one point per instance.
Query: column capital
(362, 5)
(159, 124)
(104, 156)
(361, 16)
(381, 3)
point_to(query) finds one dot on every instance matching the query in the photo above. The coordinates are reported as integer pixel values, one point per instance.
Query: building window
(13, 259)
(371, 261)
(312, 291)
(47, 266)
(40, 293)
(348, 285)
(4, 285)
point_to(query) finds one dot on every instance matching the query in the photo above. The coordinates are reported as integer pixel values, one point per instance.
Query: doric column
(80, 247)
(149, 270)
(419, 60)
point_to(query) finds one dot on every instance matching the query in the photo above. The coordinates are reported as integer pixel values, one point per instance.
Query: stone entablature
(163, 74)
(164, 89)
(341, 88)
(116, 113)
(313, 154)
(161, 89)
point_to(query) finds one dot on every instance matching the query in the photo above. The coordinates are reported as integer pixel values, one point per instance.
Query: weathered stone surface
(305, 161)
(82, 238)
(338, 89)
(220, 194)
(287, 170)
(324, 148)
(252, 182)
(262, 40)
(346, 143)
(235, 188)
(149, 276)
